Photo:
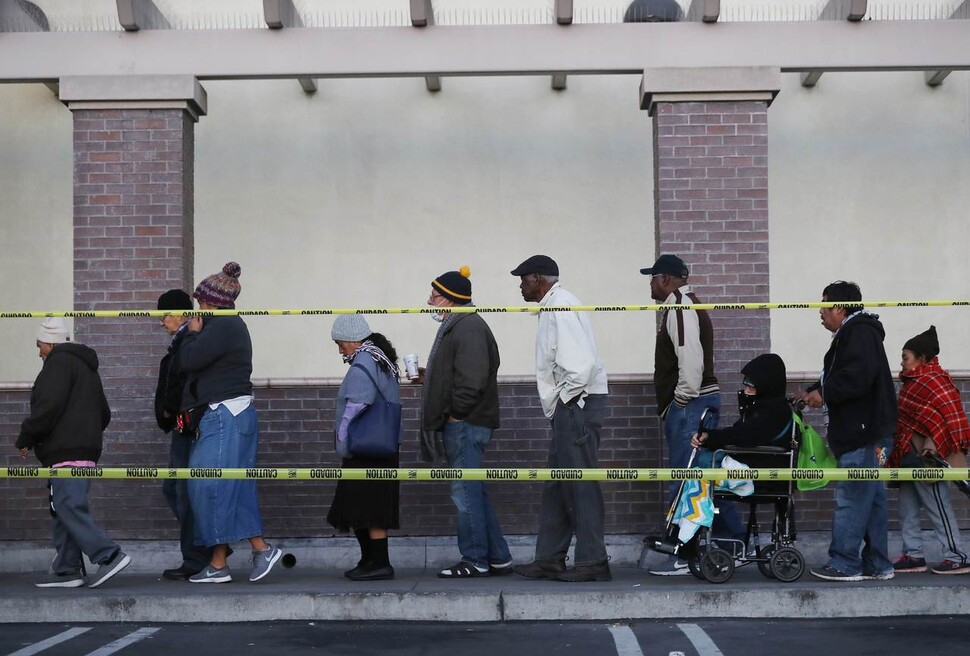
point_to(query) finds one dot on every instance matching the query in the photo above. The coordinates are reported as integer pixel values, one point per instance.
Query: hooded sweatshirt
(768, 419)
(68, 409)
(857, 386)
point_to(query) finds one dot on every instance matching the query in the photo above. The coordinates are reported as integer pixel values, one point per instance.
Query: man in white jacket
(573, 390)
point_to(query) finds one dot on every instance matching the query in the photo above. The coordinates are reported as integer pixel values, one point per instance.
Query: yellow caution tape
(494, 474)
(78, 314)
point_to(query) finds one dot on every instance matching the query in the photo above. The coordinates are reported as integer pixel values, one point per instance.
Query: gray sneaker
(263, 561)
(108, 569)
(671, 567)
(75, 580)
(210, 574)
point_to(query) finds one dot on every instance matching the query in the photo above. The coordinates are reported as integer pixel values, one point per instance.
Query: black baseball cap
(668, 264)
(541, 264)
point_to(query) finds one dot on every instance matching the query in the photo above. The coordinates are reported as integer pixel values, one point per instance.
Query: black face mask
(745, 402)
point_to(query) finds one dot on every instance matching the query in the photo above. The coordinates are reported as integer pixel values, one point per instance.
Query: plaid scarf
(379, 357)
(929, 405)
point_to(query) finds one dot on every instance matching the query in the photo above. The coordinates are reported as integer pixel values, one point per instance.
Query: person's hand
(698, 440)
(813, 399)
(23, 453)
(195, 324)
(419, 379)
(452, 420)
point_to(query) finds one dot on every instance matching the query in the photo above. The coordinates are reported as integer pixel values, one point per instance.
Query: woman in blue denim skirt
(217, 355)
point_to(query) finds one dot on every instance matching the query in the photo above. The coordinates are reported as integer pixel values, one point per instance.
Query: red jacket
(929, 404)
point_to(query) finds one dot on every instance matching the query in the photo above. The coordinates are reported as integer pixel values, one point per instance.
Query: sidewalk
(315, 590)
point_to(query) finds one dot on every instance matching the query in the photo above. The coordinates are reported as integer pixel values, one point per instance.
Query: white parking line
(38, 647)
(121, 643)
(626, 643)
(701, 641)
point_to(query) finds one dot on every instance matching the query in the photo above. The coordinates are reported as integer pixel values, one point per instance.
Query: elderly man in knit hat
(168, 402)
(68, 415)
(459, 409)
(573, 391)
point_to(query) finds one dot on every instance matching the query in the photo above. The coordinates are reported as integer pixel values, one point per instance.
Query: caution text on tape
(492, 474)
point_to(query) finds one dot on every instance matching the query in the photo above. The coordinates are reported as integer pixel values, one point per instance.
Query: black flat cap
(541, 264)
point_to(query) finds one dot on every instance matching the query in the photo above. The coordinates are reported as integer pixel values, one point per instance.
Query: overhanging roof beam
(135, 15)
(935, 78)
(705, 11)
(488, 50)
(850, 10)
(422, 15)
(836, 10)
(564, 16)
(282, 13)
(17, 16)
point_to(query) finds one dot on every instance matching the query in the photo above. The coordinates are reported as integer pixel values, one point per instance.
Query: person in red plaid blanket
(931, 422)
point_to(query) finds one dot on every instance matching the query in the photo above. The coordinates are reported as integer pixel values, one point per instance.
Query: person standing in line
(932, 423)
(368, 508)
(573, 391)
(857, 388)
(168, 403)
(217, 404)
(459, 404)
(68, 415)
(685, 384)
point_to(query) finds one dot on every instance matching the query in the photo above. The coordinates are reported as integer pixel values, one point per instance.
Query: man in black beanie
(459, 405)
(168, 399)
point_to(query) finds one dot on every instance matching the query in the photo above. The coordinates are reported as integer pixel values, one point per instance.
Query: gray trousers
(74, 529)
(574, 508)
(935, 499)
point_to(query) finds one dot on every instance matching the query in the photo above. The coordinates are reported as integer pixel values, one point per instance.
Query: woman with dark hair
(368, 508)
(932, 423)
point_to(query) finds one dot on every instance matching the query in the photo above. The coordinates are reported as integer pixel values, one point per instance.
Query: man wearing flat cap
(573, 390)
(684, 381)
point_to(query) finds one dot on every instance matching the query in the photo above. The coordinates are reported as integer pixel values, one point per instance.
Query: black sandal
(461, 570)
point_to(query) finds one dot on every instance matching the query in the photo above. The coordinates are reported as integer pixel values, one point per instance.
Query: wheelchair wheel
(765, 567)
(693, 564)
(787, 564)
(717, 565)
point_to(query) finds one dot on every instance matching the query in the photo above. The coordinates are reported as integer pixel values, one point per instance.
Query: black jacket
(218, 362)
(463, 376)
(767, 421)
(68, 409)
(171, 382)
(857, 386)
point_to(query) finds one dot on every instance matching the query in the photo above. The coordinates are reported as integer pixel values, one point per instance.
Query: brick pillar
(133, 240)
(710, 137)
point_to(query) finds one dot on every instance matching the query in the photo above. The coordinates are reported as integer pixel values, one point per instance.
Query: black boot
(363, 539)
(379, 568)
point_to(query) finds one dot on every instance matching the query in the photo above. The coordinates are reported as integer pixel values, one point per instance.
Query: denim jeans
(860, 521)
(225, 510)
(176, 493)
(680, 424)
(480, 538)
(570, 507)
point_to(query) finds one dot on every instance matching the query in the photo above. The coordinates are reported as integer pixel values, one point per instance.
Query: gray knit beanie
(350, 328)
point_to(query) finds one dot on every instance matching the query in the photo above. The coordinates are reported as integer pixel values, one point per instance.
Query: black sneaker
(586, 573)
(907, 564)
(829, 573)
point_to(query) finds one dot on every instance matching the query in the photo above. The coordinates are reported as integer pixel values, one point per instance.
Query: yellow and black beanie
(455, 285)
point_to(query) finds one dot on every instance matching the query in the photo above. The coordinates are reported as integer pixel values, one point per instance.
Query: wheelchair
(713, 558)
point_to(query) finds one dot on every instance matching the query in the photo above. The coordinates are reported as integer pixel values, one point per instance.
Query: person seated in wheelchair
(766, 414)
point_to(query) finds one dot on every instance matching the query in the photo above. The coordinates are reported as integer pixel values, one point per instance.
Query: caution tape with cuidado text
(94, 314)
(492, 474)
